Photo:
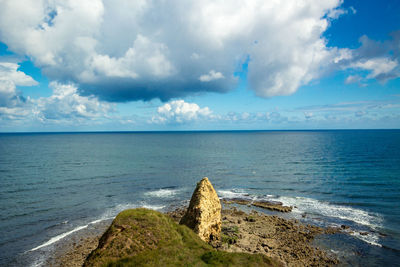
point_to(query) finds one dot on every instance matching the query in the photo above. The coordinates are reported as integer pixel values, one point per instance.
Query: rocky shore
(273, 240)
(73, 251)
(287, 241)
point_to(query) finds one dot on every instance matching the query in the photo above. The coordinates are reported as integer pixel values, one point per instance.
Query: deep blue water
(52, 184)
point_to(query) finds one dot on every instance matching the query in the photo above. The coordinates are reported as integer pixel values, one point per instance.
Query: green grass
(141, 237)
(229, 235)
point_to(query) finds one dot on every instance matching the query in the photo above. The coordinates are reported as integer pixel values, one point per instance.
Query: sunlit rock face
(204, 212)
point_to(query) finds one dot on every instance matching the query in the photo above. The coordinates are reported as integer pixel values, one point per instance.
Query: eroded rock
(204, 212)
(271, 205)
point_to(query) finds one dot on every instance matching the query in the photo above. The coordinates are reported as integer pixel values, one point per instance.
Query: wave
(234, 193)
(313, 206)
(59, 237)
(316, 207)
(372, 239)
(163, 193)
(108, 215)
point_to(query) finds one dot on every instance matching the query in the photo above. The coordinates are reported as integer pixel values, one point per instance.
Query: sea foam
(313, 206)
(163, 193)
(59, 237)
(319, 208)
(234, 193)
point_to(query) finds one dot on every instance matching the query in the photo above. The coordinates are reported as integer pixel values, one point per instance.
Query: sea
(53, 185)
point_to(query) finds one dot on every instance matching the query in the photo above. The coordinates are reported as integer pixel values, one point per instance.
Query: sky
(102, 65)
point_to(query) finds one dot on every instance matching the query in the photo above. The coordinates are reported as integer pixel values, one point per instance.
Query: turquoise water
(54, 184)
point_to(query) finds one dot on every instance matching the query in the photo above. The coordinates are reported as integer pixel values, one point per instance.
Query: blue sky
(211, 65)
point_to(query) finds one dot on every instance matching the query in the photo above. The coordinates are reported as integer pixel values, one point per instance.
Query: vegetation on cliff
(142, 237)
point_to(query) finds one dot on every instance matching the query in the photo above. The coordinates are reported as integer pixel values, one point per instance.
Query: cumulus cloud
(378, 67)
(381, 60)
(9, 72)
(129, 50)
(10, 78)
(212, 75)
(66, 104)
(179, 111)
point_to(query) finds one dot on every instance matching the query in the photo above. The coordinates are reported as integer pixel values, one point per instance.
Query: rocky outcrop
(270, 205)
(204, 213)
(287, 241)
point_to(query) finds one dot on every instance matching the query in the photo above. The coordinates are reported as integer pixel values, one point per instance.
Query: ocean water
(55, 184)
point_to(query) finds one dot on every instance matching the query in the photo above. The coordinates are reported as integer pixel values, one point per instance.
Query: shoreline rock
(287, 241)
(270, 205)
(73, 251)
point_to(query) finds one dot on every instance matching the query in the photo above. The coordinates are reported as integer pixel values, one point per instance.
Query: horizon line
(182, 131)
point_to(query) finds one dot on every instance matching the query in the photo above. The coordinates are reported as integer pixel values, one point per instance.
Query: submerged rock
(204, 212)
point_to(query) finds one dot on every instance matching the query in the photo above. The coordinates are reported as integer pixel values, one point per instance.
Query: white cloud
(337, 12)
(179, 111)
(270, 117)
(10, 78)
(144, 58)
(9, 72)
(376, 66)
(376, 60)
(211, 76)
(128, 50)
(66, 104)
(308, 115)
(353, 79)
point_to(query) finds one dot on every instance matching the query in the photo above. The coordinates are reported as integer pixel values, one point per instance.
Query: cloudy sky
(112, 65)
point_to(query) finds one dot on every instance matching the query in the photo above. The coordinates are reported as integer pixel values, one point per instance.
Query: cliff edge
(142, 237)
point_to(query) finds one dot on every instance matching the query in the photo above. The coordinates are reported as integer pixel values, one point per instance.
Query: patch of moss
(230, 229)
(141, 237)
(228, 239)
(229, 234)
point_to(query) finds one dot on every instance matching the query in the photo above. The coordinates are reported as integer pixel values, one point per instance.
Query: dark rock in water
(239, 201)
(204, 213)
(272, 205)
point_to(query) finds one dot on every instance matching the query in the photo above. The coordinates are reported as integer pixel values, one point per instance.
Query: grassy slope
(141, 237)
